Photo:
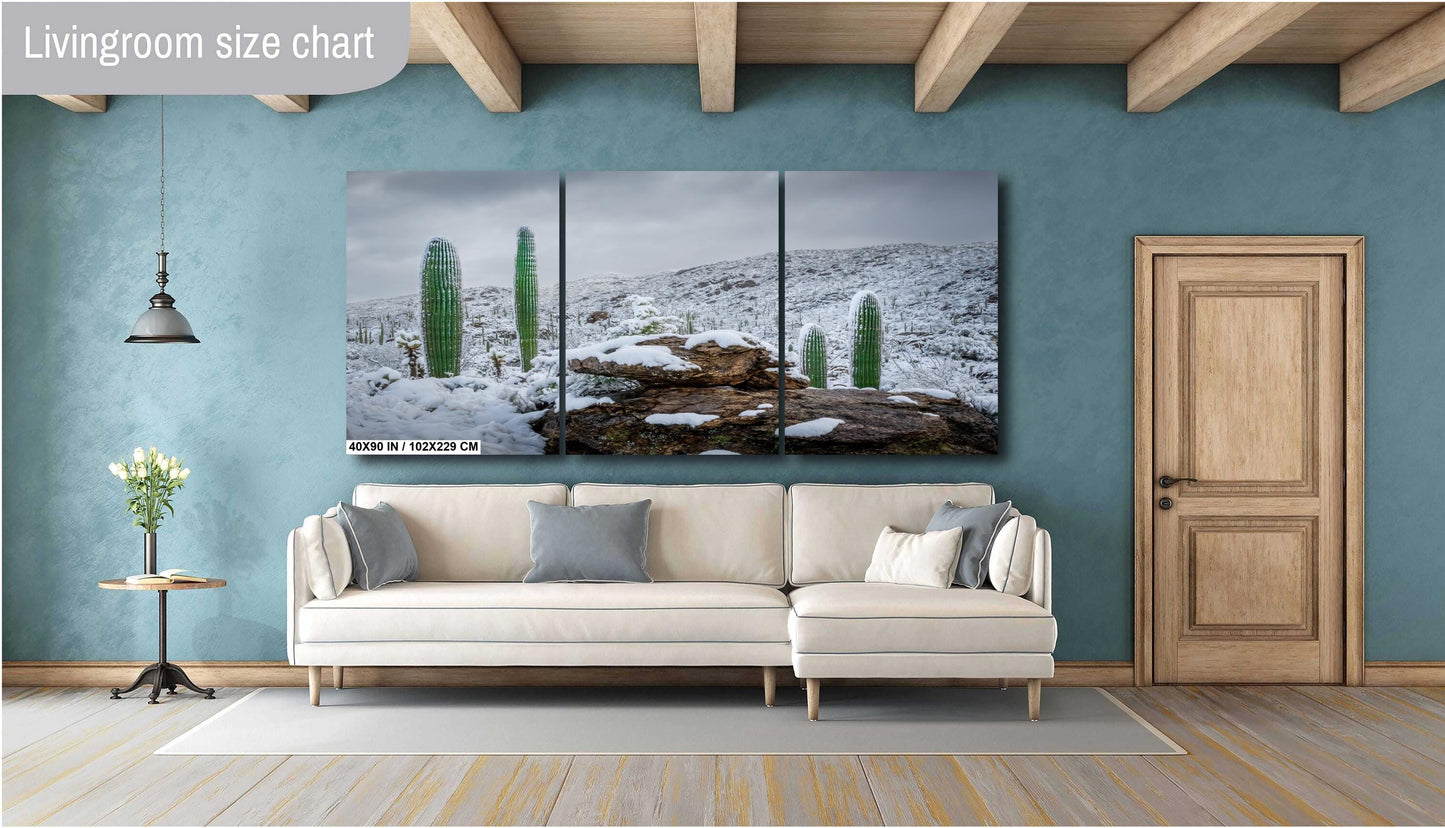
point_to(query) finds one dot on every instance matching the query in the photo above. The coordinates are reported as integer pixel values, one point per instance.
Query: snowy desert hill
(940, 308)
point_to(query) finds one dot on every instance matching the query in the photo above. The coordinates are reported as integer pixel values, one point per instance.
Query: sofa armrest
(298, 592)
(1041, 588)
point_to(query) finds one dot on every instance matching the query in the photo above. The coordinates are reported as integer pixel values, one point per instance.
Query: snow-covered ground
(940, 313)
(493, 400)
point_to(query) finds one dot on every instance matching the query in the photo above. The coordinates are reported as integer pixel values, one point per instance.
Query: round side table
(162, 673)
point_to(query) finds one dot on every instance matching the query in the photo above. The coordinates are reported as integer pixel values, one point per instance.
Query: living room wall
(256, 230)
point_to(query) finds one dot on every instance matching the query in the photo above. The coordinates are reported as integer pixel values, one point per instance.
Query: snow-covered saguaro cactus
(865, 319)
(441, 308)
(410, 343)
(813, 351)
(524, 296)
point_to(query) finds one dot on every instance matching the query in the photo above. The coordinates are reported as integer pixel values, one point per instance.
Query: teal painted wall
(257, 241)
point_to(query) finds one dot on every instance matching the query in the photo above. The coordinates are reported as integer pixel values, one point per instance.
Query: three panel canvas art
(656, 300)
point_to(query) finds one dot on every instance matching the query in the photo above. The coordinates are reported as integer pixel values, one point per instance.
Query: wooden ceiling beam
(286, 103)
(963, 39)
(1401, 64)
(1207, 39)
(476, 47)
(717, 53)
(78, 103)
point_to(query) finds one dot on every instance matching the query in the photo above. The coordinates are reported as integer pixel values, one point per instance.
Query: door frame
(1352, 248)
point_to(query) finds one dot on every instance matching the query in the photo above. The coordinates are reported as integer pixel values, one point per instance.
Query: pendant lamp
(162, 323)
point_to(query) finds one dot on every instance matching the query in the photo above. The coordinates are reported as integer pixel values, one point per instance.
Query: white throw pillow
(923, 559)
(327, 555)
(1011, 558)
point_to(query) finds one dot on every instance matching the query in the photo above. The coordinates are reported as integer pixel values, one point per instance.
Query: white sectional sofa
(744, 575)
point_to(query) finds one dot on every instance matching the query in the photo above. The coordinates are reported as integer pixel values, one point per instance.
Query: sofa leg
(770, 685)
(313, 675)
(1036, 690)
(1003, 684)
(336, 677)
(813, 686)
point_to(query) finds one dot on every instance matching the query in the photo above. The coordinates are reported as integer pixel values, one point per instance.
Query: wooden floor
(1307, 755)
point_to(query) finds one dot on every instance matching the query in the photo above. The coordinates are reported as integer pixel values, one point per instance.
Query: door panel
(1248, 398)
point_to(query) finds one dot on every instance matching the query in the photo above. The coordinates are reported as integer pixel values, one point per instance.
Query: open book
(170, 576)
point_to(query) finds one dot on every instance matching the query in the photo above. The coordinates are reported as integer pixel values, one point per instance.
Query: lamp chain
(161, 275)
(163, 172)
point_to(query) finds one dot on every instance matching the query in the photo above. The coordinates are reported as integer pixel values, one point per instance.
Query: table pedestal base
(163, 674)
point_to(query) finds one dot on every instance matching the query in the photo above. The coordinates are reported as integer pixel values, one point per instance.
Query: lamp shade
(162, 323)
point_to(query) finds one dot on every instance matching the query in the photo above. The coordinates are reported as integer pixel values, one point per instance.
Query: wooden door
(1248, 398)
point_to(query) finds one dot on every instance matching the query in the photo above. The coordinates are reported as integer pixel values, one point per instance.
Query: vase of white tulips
(151, 480)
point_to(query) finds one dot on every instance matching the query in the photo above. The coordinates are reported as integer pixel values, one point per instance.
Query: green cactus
(865, 318)
(813, 350)
(441, 308)
(524, 296)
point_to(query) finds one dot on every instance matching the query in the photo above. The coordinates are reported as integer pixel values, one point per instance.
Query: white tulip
(185, 473)
(123, 474)
(140, 471)
(140, 456)
(175, 473)
(161, 460)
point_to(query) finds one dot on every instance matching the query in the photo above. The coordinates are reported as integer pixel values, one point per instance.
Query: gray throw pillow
(979, 525)
(381, 548)
(589, 543)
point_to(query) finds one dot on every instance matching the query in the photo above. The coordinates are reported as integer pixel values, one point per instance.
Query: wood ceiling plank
(1207, 39)
(286, 103)
(476, 47)
(1110, 33)
(717, 53)
(599, 32)
(835, 32)
(965, 36)
(78, 103)
(1400, 65)
(1335, 32)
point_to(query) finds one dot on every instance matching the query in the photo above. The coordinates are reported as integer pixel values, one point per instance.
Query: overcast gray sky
(857, 209)
(390, 217)
(644, 222)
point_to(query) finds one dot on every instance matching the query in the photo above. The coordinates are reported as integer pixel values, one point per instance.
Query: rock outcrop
(885, 422)
(718, 393)
(702, 360)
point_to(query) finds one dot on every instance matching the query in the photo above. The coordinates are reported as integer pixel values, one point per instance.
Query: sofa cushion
(860, 619)
(323, 545)
(381, 549)
(549, 613)
(604, 544)
(730, 533)
(466, 533)
(980, 525)
(1011, 558)
(923, 559)
(833, 527)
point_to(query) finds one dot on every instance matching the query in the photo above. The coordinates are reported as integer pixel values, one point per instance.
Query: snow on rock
(728, 339)
(813, 428)
(717, 452)
(899, 398)
(753, 412)
(576, 402)
(686, 418)
(765, 405)
(632, 350)
(936, 393)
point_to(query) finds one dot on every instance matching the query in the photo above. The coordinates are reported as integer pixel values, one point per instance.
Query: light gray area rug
(674, 720)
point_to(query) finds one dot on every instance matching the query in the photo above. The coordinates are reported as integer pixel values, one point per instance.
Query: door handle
(1166, 481)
